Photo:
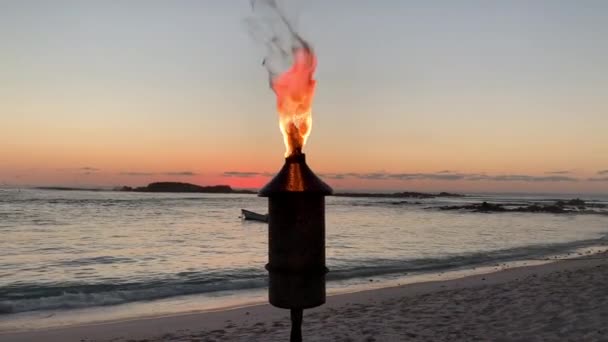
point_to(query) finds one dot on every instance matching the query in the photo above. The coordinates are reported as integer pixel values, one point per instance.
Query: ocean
(69, 257)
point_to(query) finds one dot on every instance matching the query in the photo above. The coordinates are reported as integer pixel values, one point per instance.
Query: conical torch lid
(295, 177)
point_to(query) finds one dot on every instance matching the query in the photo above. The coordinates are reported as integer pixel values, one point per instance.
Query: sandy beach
(560, 301)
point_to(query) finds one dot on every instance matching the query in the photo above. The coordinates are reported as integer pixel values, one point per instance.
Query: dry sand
(560, 301)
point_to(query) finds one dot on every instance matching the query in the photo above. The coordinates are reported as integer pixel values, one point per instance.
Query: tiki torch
(296, 196)
(296, 239)
(296, 201)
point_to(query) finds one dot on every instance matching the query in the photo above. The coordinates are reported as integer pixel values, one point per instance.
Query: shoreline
(226, 300)
(264, 322)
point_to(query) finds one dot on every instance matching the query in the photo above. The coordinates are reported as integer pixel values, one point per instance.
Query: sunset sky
(411, 95)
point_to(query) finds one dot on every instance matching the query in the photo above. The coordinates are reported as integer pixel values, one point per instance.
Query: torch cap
(295, 177)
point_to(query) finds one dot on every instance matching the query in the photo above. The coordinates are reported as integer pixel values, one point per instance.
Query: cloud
(341, 175)
(85, 170)
(602, 172)
(332, 175)
(447, 175)
(181, 173)
(561, 172)
(441, 175)
(170, 173)
(137, 174)
(246, 174)
(526, 178)
(371, 176)
(444, 175)
(598, 179)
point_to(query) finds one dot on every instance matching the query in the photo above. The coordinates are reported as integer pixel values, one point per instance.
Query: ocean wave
(22, 297)
(96, 260)
(65, 296)
(423, 265)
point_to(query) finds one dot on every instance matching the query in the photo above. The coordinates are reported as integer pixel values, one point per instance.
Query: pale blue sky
(516, 87)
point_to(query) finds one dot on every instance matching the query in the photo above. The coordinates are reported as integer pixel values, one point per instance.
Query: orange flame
(295, 89)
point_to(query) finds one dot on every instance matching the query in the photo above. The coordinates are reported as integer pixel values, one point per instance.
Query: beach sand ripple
(565, 305)
(560, 301)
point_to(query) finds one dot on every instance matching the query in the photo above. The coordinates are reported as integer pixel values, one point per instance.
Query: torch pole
(296, 325)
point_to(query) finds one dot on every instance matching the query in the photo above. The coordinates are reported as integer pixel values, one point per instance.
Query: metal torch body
(296, 250)
(296, 239)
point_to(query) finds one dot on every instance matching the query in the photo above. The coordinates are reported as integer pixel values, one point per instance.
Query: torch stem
(296, 325)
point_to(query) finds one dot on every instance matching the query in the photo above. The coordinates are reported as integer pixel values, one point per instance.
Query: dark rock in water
(183, 187)
(448, 194)
(186, 187)
(576, 202)
(401, 203)
(486, 207)
(559, 207)
(405, 194)
(536, 208)
(483, 207)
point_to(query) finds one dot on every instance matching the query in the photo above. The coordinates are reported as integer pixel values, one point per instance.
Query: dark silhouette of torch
(296, 196)
(296, 239)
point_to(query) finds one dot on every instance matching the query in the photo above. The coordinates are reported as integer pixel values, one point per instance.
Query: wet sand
(560, 301)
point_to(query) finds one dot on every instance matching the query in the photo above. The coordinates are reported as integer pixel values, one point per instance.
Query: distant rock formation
(448, 194)
(559, 207)
(405, 194)
(186, 187)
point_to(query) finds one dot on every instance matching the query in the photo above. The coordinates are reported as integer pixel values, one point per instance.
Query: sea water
(81, 256)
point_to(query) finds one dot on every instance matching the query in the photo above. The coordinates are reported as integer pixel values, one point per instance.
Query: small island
(186, 187)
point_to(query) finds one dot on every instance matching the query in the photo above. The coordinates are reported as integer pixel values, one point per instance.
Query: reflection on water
(82, 249)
